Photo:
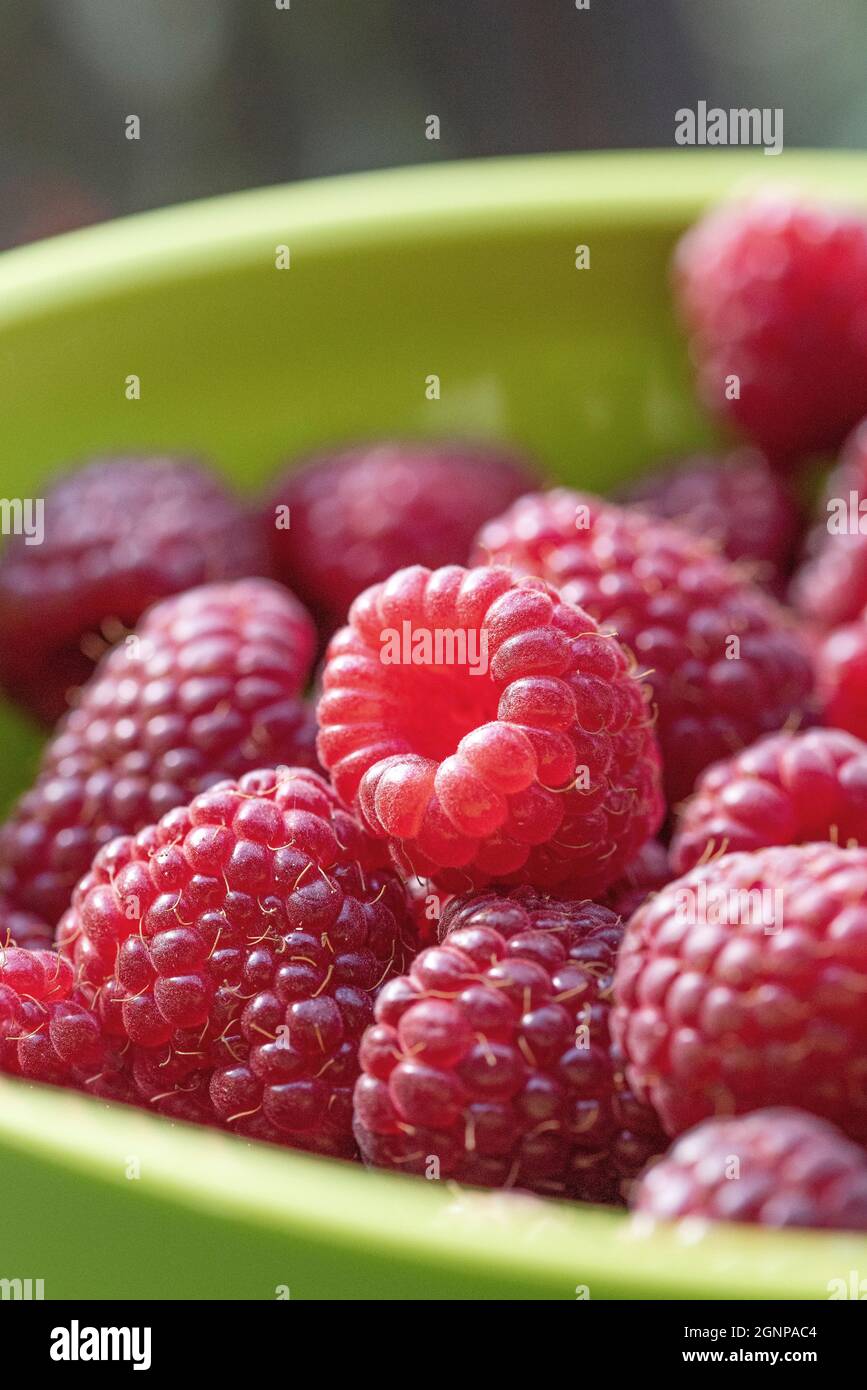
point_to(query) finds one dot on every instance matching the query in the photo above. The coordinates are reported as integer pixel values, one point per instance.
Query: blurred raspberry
(737, 501)
(649, 871)
(841, 678)
(773, 1167)
(830, 586)
(358, 515)
(119, 534)
(20, 928)
(773, 292)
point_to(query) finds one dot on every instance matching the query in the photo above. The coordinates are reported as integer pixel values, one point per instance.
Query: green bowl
(464, 272)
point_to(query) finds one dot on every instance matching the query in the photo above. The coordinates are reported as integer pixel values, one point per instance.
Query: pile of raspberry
(551, 873)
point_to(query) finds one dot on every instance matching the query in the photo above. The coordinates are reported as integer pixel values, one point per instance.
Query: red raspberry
(119, 534)
(786, 789)
(533, 763)
(772, 1167)
(47, 1033)
(649, 871)
(20, 928)
(841, 678)
(775, 293)
(830, 587)
(207, 689)
(358, 515)
(677, 604)
(738, 501)
(236, 946)
(742, 985)
(493, 1055)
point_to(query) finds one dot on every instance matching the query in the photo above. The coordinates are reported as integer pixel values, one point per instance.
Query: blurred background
(237, 93)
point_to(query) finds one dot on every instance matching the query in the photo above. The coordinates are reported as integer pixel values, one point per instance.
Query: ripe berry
(786, 789)
(773, 295)
(772, 1167)
(841, 678)
(236, 947)
(737, 501)
(119, 534)
(649, 871)
(47, 1032)
(830, 587)
(725, 662)
(528, 757)
(356, 516)
(206, 689)
(492, 1057)
(742, 985)
(21, 928)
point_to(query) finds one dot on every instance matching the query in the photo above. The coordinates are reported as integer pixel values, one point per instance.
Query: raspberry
(236, 947)
(678, 605)
(773, 1167)
(738, 501)
(47, 1033)
(830, 587)
(841, 678)
(357, 516)
(493, 1054)
(649, 871)
(119, 534)
(773, 293)
(742, 985)
(535, 763)
(206, 689)
(20, 928)
(786, 789)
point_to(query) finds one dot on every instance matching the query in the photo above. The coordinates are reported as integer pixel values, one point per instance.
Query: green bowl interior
(464, 272)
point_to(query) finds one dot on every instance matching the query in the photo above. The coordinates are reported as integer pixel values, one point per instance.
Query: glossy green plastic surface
(465, 273)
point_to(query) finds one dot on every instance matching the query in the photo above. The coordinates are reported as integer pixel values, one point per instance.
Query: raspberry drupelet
(47, 1031)
(649, 871)
(830, 586)
(493, 1056)
(841, 678)
(725, 661)
(207, 688)
(737, 500)
(793, 1169)
(534, 763)
(773, 293)
(21, 928)
(742, 985)
(358, 515)
(236, 947)
(786, 789)
(119, 534)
